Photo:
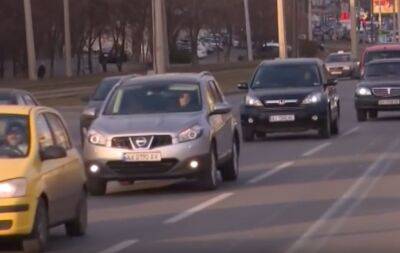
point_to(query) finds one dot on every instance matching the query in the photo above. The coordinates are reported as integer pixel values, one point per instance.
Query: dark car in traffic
(95, 101)
(290, 95)
(379, 90)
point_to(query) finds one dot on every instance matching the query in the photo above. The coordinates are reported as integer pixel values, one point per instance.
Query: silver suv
(163, 127)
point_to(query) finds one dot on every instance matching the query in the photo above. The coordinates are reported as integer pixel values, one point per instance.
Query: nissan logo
(141, 142)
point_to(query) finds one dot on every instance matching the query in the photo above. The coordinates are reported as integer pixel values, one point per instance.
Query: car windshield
(381, 55)
(382, 70)
(286, 75)
(104, 88)
(8, 99)
(14, 136)
(155, 98)
(338, 58)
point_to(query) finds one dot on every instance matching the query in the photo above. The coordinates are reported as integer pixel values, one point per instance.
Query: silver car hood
(169, 123)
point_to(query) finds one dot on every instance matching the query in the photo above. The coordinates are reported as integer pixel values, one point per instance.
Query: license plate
(281, 118)
(336, 72)
(142, 157)
(389, 102)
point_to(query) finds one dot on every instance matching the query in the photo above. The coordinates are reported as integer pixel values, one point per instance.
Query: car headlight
(190, 134)
(13, 188)
(313, 98)
(253, 101)
(363, 91)
(96, 138)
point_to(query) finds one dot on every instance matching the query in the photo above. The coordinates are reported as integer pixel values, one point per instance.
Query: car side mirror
(243, 86)
(90, 112)
(53, 152)
(332, 82)
(222, 108)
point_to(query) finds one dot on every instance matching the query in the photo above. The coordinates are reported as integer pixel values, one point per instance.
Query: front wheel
(38, 239)
(325, 130)
(77, 226)
(210, 179)
(230, 171)
(97, 187)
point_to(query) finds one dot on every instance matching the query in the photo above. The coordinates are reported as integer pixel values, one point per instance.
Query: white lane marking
(353, 130)
(270, 173)
(120, 246)
(360, 186)
(317, 149)
(198, 208)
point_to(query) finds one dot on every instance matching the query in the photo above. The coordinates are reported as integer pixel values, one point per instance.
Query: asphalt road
(296, 193)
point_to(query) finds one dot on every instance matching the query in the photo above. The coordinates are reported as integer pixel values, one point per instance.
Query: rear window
(8, 99)
(103, 89)
(338, 58)
(370, 56)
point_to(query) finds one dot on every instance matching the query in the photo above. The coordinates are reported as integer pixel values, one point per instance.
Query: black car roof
(189, 78)
(292, 61)
(389, 60)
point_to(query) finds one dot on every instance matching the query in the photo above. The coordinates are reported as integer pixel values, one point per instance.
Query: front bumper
(372, 103)
(306, 118)
(17, 216)
(176, 159)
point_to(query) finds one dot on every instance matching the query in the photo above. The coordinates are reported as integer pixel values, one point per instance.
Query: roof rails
(205, 73)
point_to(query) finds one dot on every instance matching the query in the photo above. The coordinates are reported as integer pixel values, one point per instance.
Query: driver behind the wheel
(16, 139)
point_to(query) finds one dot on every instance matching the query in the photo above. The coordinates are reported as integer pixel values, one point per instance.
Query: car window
(14, 136)
(155, 98)
(29, 100)
(338, 58)
(286, 75)
(59, 131)
(44, 133)
(370, 56)
(8, 99)
(387, 69)
(103, 89)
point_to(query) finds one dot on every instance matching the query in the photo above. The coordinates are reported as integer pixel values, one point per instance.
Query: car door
(216, 121)
(72, 167)
(51, 171)
(331, 93)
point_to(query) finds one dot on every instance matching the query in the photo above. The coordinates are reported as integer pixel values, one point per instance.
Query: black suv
(290, 95)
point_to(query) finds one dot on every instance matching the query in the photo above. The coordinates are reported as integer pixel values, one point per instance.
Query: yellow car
(42, 177)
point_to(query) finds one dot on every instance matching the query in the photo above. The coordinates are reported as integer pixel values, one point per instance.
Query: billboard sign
(385, 6)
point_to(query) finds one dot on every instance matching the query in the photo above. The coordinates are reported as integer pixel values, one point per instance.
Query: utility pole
(310, 27)
(380, 17)
(353, 35)
(248, 31)
(281, 29)
(160, 41)
(30, 41)
(398, 17)
(67, 36)
(394, 19)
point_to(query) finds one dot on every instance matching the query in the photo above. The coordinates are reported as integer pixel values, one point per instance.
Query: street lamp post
(160, 41)
(353, 35)
(248, 31)
(30, 41)
(281, 29)
(67, 36)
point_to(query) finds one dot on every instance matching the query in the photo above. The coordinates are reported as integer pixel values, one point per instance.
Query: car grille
(5, 224)
(386, 92)
(142, 168)
(149, 141)
(281, 103)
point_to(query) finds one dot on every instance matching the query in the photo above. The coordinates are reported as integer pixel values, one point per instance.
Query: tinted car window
(29, 100)
(381, 55)
(103, 89)
(59, 131)
(44, 133)
(155, 98)
(8, 99)
(338, 58)
(286, 75)
(388, 69)
(14, 136)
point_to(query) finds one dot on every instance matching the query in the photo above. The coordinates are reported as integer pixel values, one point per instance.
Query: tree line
(125, 24)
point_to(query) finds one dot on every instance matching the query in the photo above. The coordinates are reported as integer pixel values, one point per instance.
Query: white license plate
(142, 157)
(389, 102)
(336, 73)
(281, 118)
